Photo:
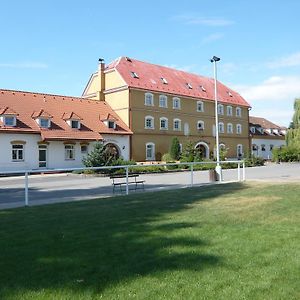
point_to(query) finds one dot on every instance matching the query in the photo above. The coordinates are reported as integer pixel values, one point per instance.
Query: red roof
(264, 123)
(28, 106)
(143, 75)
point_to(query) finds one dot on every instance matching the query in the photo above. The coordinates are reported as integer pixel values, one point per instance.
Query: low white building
(265, 136)
(41, 131)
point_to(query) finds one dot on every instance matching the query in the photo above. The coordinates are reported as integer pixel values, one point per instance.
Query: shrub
(167, 157)
(286, 154)
(175, 149)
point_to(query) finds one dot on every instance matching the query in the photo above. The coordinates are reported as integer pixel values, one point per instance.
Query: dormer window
(189, 86)
(229, 94)
(111, 124)
(134, 74)
(164, 80)
(42, 118)
(9, 120)
(72, 119)
(202, 88)
(8, 117)
(109, 120)
(44, 123)
(75, 124)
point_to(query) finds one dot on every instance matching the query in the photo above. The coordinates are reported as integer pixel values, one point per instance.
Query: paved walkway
(69, 187)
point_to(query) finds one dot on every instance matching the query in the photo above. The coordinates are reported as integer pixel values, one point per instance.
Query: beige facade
(156, 117)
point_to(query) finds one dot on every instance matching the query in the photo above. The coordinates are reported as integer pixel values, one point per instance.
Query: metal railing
(241, 176)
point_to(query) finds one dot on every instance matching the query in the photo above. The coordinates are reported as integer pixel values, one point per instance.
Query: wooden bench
(120, 180)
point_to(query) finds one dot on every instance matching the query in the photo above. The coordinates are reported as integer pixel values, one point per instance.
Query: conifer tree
(97, 157)
(175, 149)
(293, 134)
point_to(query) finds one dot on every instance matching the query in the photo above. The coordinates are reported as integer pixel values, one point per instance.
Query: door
(42, 156)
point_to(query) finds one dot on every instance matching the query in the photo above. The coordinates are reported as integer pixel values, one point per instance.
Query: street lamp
(218, 167)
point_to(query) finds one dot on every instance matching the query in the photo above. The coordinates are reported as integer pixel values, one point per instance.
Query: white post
(26, 188)
(244, 171)
(218, 166)
(192, 175)
(127, 189)
(239, 171)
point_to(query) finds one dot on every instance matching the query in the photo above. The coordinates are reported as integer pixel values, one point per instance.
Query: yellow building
(159, 103)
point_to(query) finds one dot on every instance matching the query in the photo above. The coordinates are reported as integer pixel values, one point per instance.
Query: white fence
(240, 173)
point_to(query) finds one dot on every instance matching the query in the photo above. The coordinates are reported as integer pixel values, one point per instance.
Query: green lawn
(233, 241)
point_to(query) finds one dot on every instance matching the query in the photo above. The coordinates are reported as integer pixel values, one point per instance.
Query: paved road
(69, 187)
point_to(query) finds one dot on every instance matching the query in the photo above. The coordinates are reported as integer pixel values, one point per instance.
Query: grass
(232, 241)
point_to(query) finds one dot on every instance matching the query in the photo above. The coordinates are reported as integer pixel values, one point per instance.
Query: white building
(265, 136)
(41, 131)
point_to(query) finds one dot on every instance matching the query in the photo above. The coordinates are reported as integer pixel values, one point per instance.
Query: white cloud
(196, 20)
(291, 60)
(211, 38)
(24, 65)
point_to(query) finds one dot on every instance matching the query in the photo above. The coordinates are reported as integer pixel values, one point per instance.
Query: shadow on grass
(91, 245)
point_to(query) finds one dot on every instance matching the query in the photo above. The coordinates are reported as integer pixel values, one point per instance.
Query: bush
(167, 157)
(175, 149)
(253, 161)
(286, 154)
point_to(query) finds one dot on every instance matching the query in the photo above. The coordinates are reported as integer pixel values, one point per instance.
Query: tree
(293, 134)
(98, 157)
(175, 149)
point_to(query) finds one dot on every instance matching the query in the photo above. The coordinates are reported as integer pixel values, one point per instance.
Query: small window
(75, 124)
(239, 151)
(254, 147)
(163, 124)
(177, 125)
(17, 152)
(229, 110)
(10, 121)
(163, 101)
(111, 124)
(271, 147)
(252, 129)
(149, 122)
(220, 109)
(221, 127)
(200, 106)
(84, 149)
(200, 125)
(202, 88)
(69, 152)
(229, 94)
(150, 151)
(229, 128)
(164, 80)
(176, 103)
(189, 86)
(44, 123)
(134, 75)
(149, 99)
(238, 112)
(263, 147)
(238, 128)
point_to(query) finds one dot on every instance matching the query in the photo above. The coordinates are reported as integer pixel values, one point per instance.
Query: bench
(120, 180)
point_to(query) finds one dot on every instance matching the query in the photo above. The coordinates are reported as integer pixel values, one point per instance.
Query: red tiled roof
(7, 111)
(27, 105)
(108, 117)
(151, 77)
(71, 116)
(264, 123)
(41, 114)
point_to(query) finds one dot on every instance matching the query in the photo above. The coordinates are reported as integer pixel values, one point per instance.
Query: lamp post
(218, 167)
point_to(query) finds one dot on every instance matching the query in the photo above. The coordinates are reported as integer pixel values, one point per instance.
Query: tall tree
(175, 149)
(293, 134)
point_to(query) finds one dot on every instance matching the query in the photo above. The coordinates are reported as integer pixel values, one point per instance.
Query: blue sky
(53, 46)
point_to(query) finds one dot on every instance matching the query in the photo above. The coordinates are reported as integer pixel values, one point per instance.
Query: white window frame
(149, 99)
(239, 146)
(69, 152)
(176, 103)
(13, 118)
(221, 127)
(165, 121)
(229, 128)
(220, 109)
(152, 145)
(238, 129)
(84, 149)
(200, 106)
(18, 150)
(229, 110)
(41, 120)
(71, 123)
(163, 101)
(179, 125)
(201, 127)
(152, 122)
(238, 112)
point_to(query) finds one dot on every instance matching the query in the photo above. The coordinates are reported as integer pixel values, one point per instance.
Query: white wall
(267, 142)
(55, 151)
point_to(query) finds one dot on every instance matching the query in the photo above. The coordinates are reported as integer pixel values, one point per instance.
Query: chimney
(101, 76)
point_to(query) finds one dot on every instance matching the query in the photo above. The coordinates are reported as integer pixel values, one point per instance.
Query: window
(149, 122)
(44, 123)
(238, 112)
(111, 124)
(229, 128)
(150, 151)
(69, 152)
(10, 121)
(229, 110)
(84, 149)
(17, 152)
(202, 88)
(263, 147)
(200, 125)
(239, 151)
(176, 103)
(220, 109)
(177, 125)
(221, 127)
(75, 124)
(163, 123)
(163, 101)
(200, 106)
(134, 75)
(254, 147)
(149, 99)
(164, 80)
(189, 86)
(271, 147)
(238, 128)
(252, 129)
